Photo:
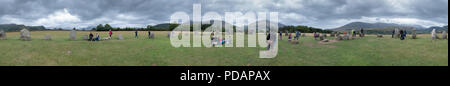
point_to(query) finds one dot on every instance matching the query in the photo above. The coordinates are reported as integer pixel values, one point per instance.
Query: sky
(324, 14)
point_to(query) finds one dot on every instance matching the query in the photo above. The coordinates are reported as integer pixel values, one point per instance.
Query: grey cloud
(318, 13)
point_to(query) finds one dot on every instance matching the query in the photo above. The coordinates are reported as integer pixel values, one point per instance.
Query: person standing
(269, 42)
(110, 33)
(353, 33)
(281, 35)
(290, 37)
(362, 32)
(136, 34)
(401, 35)
(98, 37)
(393, 33)
(297, 35)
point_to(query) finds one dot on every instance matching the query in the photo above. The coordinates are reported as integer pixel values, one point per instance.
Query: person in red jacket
(110, 33)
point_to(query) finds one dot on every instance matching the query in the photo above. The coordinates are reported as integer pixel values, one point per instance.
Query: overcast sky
(139, 13)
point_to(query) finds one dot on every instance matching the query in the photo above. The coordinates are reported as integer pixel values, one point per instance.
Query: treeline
(160, 27)
(170, 27)
(303, 29)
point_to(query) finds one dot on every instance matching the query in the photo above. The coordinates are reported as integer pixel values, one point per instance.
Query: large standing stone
(2, 35)
(338, 36)
(346, 37)
(73, 35)
(433, 34)
(152, 36)
(397, 33)
(120, 37)
(321, 37)
(414, 34)
(47, 37)
(25, 35)
(444, 35)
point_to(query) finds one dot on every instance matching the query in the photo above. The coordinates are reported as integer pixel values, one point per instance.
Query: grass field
(368, 51)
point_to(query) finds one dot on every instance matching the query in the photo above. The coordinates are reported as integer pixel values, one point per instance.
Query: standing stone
(397, 33)
(325, 35)
(286, 33)
(25, 35)
(325, 40)
(444, 35)
(86, 37)
(2, 35)
(332, 34)
(120, 37)
(321, 37)
(433, 34)
(295, 42)
(73, 35)
(338, 36)
(47, 37)
(346, 37)
(379, 35)
(414, 34)
(152, 36)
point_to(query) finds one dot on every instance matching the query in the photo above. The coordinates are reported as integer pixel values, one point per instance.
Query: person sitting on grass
(403, 34)
(98, 37)
(91, 36)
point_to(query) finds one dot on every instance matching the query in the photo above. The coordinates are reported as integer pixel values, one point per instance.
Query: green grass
(368, 51)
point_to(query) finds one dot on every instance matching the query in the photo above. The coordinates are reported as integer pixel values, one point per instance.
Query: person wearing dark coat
(91, 37)
(136, 34)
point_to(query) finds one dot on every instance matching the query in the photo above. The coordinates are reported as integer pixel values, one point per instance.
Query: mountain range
(380, 28)
(16, 27)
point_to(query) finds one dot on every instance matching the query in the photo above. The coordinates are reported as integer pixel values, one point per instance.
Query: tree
(149, 27)
(107, 27)
(99, 27)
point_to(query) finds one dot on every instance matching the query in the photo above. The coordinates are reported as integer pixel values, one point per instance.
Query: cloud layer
(139, 13)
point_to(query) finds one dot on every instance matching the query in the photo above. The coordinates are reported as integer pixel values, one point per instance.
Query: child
(110, 33)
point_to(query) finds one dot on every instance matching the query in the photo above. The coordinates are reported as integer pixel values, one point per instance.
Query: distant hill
(358, 25)
(15, 27)
(386, 28)
(438, 29)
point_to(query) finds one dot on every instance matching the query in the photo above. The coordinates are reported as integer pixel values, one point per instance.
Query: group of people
(110, 33)
(137, 36)
(217, 40)
(97, 37)
(401, 33)
(296, 37)
(360, 33)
